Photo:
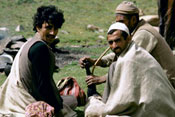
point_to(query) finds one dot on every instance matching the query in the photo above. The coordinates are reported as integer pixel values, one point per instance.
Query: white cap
(119, 26)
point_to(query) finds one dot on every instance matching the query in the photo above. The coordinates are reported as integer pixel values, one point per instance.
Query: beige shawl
(137, 87)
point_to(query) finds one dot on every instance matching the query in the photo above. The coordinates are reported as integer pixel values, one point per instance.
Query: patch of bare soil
(67, 55)
(64, 56)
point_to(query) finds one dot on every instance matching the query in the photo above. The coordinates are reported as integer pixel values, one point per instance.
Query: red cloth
(69, 86)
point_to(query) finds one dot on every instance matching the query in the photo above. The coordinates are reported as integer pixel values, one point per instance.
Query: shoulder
(39, 46)
(145, 39)
(38, 49)
(145, 28)
(142, 34)
(137, 54)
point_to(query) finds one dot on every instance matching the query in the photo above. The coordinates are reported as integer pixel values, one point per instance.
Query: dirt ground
(64, 56)
(67, 55)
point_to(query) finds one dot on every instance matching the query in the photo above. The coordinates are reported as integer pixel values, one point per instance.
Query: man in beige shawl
(132, 89)
(144, 35)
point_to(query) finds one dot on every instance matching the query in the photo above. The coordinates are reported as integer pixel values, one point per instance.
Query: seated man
(144, 35)
(136, 84)
(31, 76)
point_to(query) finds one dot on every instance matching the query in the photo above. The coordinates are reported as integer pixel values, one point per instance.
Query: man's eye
(110, 42)
(49, 27)
(117, 40)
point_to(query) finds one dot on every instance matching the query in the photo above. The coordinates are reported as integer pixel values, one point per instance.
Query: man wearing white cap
(144, 35)
(131, 88)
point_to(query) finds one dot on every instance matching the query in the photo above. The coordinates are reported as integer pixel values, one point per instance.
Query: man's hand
(95, 79)
(86, 60)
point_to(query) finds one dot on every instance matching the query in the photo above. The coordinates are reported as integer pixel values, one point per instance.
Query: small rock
(101, 30)
(75, 46)
(19, 28)
(17, 45)
(101, 37)
(18, 38)
(4, 29)
(64, 32)
(4, 59)
(92, 27)
(3, 32)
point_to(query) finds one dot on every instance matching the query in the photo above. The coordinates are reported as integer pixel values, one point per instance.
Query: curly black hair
(49, 14)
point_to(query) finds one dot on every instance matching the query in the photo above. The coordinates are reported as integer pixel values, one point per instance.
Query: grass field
(78, 14)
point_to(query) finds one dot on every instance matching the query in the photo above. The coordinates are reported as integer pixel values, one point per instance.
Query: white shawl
(139, 88)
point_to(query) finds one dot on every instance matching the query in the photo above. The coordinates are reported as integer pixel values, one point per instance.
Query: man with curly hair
(31, 77)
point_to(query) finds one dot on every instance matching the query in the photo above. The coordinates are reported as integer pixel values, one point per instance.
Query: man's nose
(114, 44)
(52, 31)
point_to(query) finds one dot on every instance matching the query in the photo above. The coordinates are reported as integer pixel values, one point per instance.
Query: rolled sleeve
(108, 59)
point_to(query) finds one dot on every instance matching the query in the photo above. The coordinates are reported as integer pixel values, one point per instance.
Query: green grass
(2, 78)
(78, 14)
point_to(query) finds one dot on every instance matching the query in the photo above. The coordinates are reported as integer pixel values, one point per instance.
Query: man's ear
(37, 28)
(134, 19)
(128, 38)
